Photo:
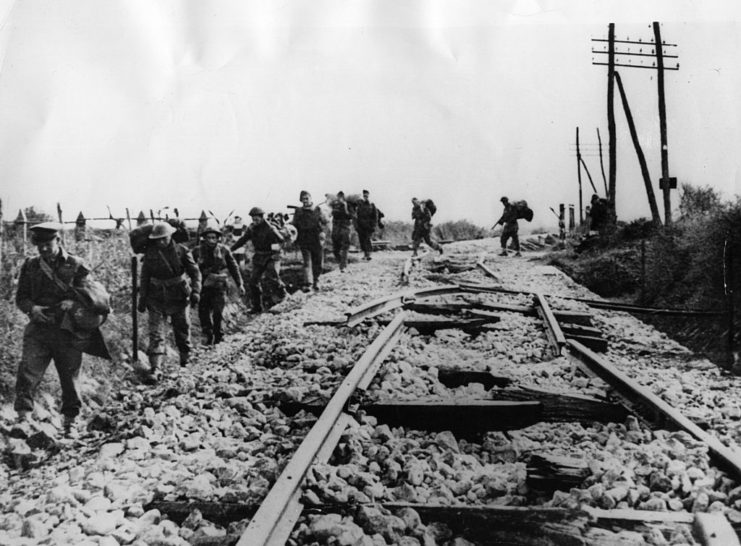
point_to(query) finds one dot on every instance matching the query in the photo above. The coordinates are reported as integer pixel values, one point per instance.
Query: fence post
(21, 230)
(728, 279)
(562, 224)
(643, 270)
(572, 223)
(80, 227)
(134, 316)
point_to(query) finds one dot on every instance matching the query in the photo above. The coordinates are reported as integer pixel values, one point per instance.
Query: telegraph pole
(624, 58)
(666, 183)
(578, 174)
(612, 144)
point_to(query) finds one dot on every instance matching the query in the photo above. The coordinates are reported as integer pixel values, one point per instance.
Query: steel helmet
(257, 211)
(210, 228)
(161, 230)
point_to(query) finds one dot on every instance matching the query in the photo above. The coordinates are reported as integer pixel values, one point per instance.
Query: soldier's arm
(191, 268)
(23, 293)
(243, 239)
(82, 272)
(277, 233)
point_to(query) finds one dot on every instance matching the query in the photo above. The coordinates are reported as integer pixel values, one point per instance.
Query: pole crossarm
(637, 66)
(628, 54)
(632, 42)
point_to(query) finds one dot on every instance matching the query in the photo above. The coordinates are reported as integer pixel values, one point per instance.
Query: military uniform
(170, 279)
(45, 287)
(341, 224)
(267, 241)
(309, 223)
(509, 219)
(422, 227)
(365, 225)
(214, 263)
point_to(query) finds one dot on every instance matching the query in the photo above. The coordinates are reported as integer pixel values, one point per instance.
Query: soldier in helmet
(422, 227)
(365, 224)
(214, 260)
(342, 219)
(170, 280)
(267, 239)
(48, 285)
(509, 220)
(309, 222)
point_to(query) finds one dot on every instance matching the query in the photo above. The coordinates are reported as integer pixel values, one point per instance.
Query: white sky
(223, 105)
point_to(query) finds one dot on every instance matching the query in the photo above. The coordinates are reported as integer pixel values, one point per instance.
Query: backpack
(138, 238)
(523, 211)
(430, 205)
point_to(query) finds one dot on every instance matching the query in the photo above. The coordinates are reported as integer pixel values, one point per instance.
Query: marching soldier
(509, 220)
(342, 218)
(267, 239)
(422, 226)
(365, 224)
(214, 260)
(310, 221)
(49, 289)
(170, 280)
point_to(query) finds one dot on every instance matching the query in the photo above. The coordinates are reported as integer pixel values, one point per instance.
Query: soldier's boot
(184, 358)
(153, 374)
(218, 337)
(70, 428)
(504, 252)
(518, 254)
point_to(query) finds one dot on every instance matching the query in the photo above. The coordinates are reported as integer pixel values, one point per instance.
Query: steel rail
(724, 456)
(281, 507)
(394, 301)
(555, 334)
(599, 304)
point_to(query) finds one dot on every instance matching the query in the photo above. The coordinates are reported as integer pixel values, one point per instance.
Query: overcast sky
(224, 105)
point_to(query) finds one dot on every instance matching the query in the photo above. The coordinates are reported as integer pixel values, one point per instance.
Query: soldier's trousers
(510, 230)
(340, 245)
(267, 264)
(419, 235)
(180, 328)
(313, 258)
(364, 237)
(211, 311)
(41, 344)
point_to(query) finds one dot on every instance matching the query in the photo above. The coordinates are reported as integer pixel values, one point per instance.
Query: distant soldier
(310, 222)
(342, 218)
(49, 289)
(170, 280)
(267, 239)
(236, 231)
(216, 262)
(598, 213)
(422, 227)
(366, 221)
(509, 220)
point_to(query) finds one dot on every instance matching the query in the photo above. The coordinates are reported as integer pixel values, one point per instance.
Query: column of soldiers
(174, 278)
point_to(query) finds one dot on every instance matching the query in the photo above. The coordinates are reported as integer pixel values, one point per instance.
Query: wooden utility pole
(653, 50)
(639, 152)
(611, 188)
(601, 162)
(578, 175)
(666, 183)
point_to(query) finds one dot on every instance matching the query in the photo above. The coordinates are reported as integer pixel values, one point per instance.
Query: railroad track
(473, 415)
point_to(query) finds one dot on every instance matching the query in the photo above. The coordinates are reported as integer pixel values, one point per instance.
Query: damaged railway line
(472, 405)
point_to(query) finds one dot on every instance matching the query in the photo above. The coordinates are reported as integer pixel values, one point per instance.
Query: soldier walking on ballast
(48, 285)
(170, 280)
(342, 218)
(216, 262)
(509, 220)
(267, 239)
(422, 227)
(366, 221)
(310, 222)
